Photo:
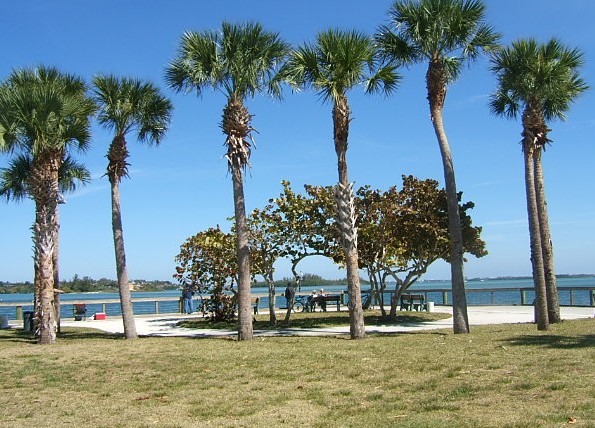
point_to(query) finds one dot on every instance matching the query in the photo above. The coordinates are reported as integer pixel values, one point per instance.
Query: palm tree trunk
(44, 283)
(245, 331)
(541, 313)
(44, 187)
(551, 288)
(459, 297)
(436, 84)
(346, 220)
(121, 269)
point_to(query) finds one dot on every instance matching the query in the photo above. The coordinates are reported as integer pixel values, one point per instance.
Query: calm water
(476, 295)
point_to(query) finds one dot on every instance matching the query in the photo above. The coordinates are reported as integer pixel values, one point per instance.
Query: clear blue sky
(182, 187)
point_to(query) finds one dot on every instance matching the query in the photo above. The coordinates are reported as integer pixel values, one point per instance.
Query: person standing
(289, 294)
(187, 300)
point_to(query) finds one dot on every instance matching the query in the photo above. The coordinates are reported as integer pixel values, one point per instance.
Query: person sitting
(311, 302)
(322, 300)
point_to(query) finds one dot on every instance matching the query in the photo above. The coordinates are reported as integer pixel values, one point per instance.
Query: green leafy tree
(538, 82)
(303, 221)
(125, 106)
(414, 224)
(44, 113)
(240, 61)
(446, 34)
(267, 245)
(334, 64)
(207, 263)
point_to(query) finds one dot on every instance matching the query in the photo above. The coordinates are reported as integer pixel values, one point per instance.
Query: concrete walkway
(166, 325)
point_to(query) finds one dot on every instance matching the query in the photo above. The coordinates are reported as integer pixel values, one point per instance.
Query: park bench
(322, 301)
(79, 311)
(254, 301)
(412, 302)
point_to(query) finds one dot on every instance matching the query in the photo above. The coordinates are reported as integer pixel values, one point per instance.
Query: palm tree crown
(338, 61)
(540, 76)
(240, 61)
(130, 105)
(43, 109)
(448, 32)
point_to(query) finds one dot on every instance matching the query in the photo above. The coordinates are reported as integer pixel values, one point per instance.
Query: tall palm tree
(446, 34)
(43, 114)
(541, 81)
(127, 105)
(13, 185)
(239, 61)
(338, 61)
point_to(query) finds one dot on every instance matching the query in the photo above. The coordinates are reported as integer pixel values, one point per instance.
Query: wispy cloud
(87, 190)
(473, 99)
(507, 223)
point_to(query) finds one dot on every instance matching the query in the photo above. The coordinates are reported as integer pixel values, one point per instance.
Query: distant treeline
(87, 285)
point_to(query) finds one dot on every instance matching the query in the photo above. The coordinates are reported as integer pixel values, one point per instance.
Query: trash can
(430, 306)
(4, 322)
(28, 321)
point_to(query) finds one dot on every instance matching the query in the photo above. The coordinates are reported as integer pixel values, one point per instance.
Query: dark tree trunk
(271, 284)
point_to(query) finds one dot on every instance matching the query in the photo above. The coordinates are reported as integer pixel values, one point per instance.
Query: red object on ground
(99, 316)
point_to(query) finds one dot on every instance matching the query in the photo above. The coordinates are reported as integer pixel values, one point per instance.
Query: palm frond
(72, 174)
(13, 180)
(385, 80)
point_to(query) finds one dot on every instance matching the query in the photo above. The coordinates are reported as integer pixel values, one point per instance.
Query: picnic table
(412, 302)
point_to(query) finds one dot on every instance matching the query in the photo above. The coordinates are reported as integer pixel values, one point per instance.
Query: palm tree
(43, 113)
(239, 61)
(13, 185)
(446, 33)
(338, 61)
(541, 80)
(127, 105)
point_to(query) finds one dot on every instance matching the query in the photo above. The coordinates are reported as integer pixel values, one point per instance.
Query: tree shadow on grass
(17, 335)
(317, 320)
(78, 333)
(554, 341)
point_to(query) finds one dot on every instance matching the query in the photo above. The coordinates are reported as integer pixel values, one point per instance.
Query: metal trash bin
(28, 321)
(4, 322)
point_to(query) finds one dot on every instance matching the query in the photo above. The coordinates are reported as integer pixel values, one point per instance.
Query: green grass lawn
(497, 376)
